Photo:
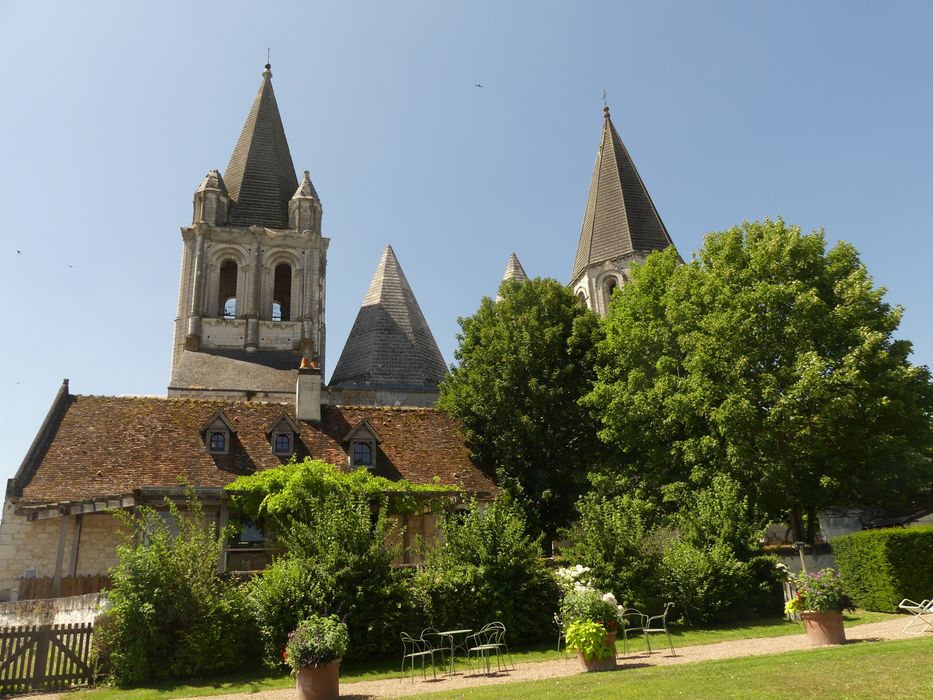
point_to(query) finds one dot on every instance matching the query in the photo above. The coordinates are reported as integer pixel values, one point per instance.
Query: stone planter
(824, 627)
(318, 682)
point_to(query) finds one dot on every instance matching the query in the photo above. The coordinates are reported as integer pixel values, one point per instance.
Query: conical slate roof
(513, 271)
(390, 345)
(260, 177)
(620, 218)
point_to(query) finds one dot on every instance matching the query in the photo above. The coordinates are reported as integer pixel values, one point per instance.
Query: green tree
(523, 364)
(772, 360)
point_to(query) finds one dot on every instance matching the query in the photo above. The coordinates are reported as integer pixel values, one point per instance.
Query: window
(581, 297)
(282, 293)
(282, 444)
(227, 290)
(217, 442)
(362, 454)
(611, 285)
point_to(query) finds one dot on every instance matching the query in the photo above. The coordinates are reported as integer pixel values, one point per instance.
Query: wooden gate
(45, 657)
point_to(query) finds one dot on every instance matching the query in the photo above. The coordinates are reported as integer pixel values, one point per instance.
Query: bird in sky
(69, 265)
(477, 85)
(19, 252)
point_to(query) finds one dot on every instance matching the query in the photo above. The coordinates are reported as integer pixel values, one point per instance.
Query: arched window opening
(217, 442)
(227, 292)
(282, 293)
(611, 285)
(581, 297)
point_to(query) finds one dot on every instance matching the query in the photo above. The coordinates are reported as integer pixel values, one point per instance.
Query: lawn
(260, 679)
(898, 669)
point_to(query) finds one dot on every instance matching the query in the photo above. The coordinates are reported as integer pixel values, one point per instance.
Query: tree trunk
(796, 523)
(812, 524)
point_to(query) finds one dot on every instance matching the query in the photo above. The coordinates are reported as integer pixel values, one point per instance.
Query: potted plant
(586, 604)
(314, 651)
(591, 642)
(820, 600)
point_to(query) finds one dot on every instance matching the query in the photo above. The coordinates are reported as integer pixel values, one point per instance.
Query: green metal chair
(488, 641)
(417, 649)
(657, 624)
(632, 621)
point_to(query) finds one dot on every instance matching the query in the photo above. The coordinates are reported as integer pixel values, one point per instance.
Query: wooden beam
(75, 543)
(59, 557)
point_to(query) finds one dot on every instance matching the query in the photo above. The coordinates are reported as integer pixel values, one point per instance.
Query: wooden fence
(45, 657)
(41, 586)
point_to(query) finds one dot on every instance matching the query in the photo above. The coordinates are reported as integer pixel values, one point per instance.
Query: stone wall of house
(33, 546)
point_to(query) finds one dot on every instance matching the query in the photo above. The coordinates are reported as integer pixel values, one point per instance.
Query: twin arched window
(281, 291)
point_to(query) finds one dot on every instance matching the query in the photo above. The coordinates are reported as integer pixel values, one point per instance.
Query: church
(246, 390)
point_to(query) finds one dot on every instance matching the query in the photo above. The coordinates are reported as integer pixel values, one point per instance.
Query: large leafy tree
(523, 364)
(772, 360)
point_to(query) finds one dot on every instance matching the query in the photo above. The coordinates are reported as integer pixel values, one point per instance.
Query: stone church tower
(620, 224)
(251, 296)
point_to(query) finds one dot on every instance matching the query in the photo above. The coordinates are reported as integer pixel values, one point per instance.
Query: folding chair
(922, 614)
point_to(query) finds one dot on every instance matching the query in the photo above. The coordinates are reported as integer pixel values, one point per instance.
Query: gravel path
(392, 688)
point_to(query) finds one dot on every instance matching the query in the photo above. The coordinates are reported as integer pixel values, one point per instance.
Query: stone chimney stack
(308, 391)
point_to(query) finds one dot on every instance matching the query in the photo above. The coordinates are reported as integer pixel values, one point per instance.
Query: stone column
(196, 290)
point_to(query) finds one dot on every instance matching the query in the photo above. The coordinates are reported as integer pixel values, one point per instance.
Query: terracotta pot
(318, 682)
(606, 664)
(824, 627)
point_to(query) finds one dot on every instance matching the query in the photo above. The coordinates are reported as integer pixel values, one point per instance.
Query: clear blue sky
(820, 112)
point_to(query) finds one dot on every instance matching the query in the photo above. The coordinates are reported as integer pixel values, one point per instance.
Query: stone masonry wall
(34, 545)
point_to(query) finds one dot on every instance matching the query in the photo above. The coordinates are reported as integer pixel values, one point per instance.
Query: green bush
(882, 567)
(489, 569)
(705, 585)
(337, 562)
(171, 616)
(588, 604)
(615, 539)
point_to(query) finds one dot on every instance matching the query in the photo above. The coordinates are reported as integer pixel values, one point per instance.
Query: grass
(260, 679)
(854, 671)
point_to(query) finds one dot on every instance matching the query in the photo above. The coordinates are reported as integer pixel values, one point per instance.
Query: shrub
(489, 569)
(614, 538)
(882, 567)
(316, 641)
(337, 562)
(171, 616)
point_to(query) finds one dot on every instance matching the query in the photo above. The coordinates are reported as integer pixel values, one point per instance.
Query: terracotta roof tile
(106, 445)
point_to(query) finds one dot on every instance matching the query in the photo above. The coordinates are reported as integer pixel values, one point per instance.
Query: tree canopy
(772, 360)
(523, 363)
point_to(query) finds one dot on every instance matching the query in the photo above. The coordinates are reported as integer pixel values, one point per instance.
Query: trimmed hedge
(882, 567)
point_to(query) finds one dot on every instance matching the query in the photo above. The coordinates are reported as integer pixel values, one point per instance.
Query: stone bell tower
(251, 295)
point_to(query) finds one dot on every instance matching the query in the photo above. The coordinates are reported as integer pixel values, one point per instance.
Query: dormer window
(283, 433)
(216, 433)
(361, 445)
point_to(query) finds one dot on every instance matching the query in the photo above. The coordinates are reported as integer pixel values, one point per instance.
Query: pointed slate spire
(620, 219)
(260, 176)
(390, 345)
(513, 271)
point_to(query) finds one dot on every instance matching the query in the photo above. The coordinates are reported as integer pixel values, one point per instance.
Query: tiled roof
(390, 344)
(260, 177)
(101, 445)
(620, 219)
(513, 271)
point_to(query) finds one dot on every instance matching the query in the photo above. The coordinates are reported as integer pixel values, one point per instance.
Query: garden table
(450, 634)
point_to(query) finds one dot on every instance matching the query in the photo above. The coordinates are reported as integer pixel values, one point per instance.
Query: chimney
(308, 391)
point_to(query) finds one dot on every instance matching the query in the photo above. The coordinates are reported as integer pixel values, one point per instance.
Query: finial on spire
(605, 106)
(267, 73)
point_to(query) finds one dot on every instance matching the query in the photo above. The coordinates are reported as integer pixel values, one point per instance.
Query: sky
(818, 112)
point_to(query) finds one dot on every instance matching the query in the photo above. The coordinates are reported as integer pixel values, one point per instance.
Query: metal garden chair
(657, 624)
(633, 621)
(417, 649)
(488, 641)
